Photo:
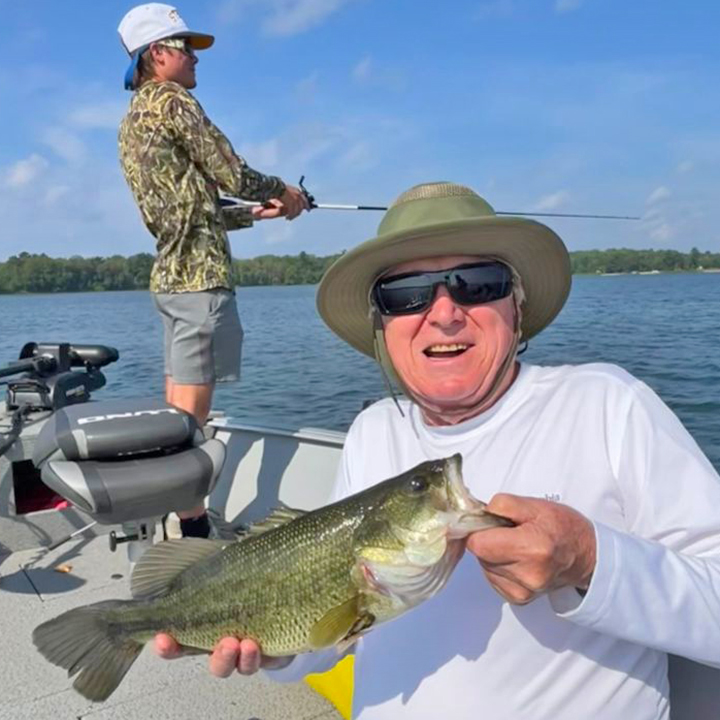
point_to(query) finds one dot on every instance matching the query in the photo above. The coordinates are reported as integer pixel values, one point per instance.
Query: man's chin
(447, 399)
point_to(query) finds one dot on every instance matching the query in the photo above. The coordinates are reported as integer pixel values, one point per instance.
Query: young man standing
(176, 162)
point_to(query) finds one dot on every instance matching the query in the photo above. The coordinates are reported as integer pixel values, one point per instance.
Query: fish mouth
(460, 498)
(470, 513)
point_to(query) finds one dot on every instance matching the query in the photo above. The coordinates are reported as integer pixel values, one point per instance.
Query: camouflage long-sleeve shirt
(175, 161)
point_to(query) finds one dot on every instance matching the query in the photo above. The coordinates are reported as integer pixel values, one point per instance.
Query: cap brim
(533, 249)
(198, 41)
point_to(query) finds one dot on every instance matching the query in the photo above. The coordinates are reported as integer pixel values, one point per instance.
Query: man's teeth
(455, 347)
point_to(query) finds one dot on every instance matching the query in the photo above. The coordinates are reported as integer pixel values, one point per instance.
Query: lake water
(665, 329)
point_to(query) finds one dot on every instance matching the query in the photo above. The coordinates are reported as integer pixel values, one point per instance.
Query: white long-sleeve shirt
(597, 439)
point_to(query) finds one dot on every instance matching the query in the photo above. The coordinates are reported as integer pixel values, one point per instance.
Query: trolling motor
(49, 381)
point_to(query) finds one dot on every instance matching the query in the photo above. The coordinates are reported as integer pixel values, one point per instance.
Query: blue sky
(590, 106)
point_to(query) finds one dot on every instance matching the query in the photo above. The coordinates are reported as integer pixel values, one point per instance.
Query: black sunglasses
(413, 292)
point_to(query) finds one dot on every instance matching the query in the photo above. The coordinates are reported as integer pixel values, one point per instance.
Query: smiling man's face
(449, 354)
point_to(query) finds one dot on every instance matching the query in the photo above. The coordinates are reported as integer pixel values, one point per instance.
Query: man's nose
(443, 309)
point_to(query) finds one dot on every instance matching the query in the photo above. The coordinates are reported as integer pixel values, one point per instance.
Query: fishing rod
(231, 201)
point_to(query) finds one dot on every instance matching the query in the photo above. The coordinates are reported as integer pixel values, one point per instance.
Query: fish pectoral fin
(189, 650)
(335, 625)
(162, 564)
(361, 626)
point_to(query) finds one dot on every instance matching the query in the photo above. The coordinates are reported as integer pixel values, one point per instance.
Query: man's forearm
(649, 594)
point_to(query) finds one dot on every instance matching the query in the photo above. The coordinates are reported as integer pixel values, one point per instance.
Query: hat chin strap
(390, 375)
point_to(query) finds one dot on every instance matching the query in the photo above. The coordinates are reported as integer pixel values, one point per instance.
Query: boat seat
(124, 460)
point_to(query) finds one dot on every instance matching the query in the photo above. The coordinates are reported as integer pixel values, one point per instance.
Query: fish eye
(418, 484)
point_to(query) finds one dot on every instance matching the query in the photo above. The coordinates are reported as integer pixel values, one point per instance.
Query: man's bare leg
(196, 400)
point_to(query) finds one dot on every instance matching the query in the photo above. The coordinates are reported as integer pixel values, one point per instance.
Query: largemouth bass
(300, 581)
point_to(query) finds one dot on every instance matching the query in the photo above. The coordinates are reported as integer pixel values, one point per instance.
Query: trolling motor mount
(49, 380)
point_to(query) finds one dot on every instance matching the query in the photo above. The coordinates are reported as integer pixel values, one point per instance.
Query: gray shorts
(203, 336)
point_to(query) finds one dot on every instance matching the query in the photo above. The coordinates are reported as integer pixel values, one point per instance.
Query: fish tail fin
(84, 642)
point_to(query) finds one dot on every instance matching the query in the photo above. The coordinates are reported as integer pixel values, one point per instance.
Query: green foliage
(42, 274)
(302, 269)
(624, 260)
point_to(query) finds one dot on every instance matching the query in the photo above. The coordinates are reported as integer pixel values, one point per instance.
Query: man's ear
(158, 56)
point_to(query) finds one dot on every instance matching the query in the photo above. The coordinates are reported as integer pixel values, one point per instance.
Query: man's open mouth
(446, 350)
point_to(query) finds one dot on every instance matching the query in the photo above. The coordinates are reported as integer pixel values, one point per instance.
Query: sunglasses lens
(480, 284)
(468, 285)
(403, 295)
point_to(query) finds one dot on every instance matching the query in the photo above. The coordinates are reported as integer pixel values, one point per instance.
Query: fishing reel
(310, 198)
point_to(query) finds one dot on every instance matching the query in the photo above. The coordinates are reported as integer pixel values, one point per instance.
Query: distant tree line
(42, 274)
(302, 269)
(623, 260)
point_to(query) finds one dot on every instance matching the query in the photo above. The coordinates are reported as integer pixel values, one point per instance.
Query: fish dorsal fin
(277, 517)
(161, 565)
(334, 625)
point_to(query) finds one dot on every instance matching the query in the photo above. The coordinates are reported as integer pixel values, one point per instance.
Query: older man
(175, 162)
(615, 558)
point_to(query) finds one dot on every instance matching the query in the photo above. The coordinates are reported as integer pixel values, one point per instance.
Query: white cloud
(282, 17)
(685, 167)
(658, 195)
(65, 143)
(295, 16)
(552, 201)
(55, 193)
(262, 155)
(23, 172)
(105, 115)
(495, 9)
(358, 157)
(307, 88)
(231, 11)
(308, 144)
(662, 232)
(362, 70)
(367, 73)
(276, 231)
(566, 6)
(652, 213)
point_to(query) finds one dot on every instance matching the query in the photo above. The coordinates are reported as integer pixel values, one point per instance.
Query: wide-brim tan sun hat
(437, 219)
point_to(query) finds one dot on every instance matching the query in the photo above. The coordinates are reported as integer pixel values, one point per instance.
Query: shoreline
(708, 271)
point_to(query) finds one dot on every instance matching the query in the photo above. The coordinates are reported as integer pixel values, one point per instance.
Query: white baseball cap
(146, 24)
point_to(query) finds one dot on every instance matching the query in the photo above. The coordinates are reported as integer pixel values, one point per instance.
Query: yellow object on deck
(336, 685)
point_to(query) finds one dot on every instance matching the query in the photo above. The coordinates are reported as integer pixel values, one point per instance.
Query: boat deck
(34, 588)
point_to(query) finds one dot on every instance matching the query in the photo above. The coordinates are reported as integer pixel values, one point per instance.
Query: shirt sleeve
(657, 580)
(214, 155)
(236, 217)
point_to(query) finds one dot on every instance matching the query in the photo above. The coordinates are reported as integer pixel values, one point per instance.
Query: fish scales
(271, 588)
